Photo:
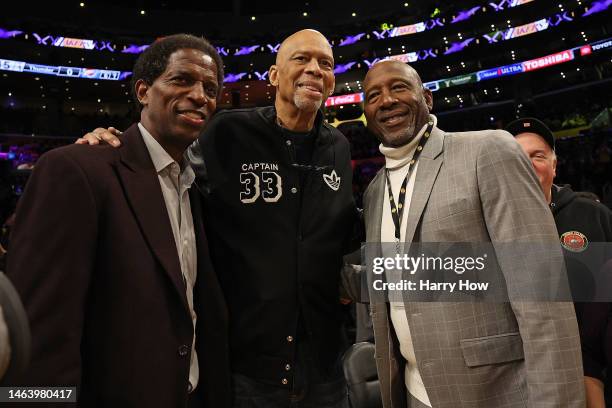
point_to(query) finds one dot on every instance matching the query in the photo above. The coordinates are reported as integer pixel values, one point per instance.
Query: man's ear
(142, 88)
(273, 75)
(428, 96)
(554, 166)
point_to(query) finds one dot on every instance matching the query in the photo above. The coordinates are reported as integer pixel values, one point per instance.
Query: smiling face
(177, 105)
(396, 104)
(542, 158)
(304, 72)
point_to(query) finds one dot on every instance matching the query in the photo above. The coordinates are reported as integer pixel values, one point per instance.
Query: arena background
(65, 69)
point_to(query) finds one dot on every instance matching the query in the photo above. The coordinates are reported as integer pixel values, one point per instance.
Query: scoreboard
(74, 72)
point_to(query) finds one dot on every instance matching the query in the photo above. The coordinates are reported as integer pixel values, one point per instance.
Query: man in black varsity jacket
(279, 211)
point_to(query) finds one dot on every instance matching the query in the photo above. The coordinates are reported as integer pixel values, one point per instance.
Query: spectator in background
(579, 221)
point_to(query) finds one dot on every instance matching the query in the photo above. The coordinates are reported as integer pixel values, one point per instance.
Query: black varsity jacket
(276, 248)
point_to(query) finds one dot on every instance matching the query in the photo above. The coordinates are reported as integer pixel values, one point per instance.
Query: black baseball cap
(531, 125)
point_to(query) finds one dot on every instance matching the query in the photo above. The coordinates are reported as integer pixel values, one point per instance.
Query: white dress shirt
(175, 186)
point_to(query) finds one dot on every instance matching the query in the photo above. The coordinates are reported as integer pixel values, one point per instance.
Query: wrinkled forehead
(389, 70)
(310, 42)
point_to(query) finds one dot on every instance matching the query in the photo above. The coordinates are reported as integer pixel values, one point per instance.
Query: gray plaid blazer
(479, 187)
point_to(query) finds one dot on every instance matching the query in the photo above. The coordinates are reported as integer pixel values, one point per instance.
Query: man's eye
(211, 91)
(372, 96)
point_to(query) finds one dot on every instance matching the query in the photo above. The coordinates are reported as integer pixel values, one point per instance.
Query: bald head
(398, 66)
(303, 74)
(299, 37)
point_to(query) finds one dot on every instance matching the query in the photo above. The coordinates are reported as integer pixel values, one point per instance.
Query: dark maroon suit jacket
(94, 259)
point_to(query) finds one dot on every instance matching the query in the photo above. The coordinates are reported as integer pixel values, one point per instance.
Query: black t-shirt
(302, 147)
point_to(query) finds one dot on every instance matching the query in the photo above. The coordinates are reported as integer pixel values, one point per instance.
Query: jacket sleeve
(50, 262)
(596, 317)
(515, 211)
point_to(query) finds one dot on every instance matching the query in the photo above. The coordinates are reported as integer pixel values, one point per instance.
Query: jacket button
(288, 142)
(289, 339)
(294, 190)
(288, 367)
(285, 381)
(183, 350)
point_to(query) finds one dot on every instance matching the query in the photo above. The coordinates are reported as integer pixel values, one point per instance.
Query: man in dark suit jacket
(110, 256)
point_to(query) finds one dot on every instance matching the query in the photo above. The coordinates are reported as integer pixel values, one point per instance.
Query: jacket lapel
(427, 172)
(145, 197)
(375, 207)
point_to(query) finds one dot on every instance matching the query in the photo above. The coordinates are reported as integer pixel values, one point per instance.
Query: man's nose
(388, 99)
(198, 94)
(313, 67)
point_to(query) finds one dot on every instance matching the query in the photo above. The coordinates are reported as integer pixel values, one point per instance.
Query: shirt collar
(161, 159)
(396, 157)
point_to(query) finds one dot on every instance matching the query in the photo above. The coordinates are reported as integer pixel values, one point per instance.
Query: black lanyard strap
(398, 210)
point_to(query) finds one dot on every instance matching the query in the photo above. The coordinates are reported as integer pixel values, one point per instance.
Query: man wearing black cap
(580, 221)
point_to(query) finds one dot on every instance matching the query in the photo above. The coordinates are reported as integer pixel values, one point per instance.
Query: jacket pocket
(500, 348)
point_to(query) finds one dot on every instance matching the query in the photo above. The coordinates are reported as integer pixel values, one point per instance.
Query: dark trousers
(249, 393)
(313, 387)
(194, 400)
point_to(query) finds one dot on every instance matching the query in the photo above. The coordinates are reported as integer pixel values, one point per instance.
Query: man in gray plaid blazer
(464, 187)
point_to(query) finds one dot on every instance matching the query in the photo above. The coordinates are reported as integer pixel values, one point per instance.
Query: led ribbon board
(595, 47)
(59, 41)
(344, 99)
(529, 28)
(61, 71)
(513, 69)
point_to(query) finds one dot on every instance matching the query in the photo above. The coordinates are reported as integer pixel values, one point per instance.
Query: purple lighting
(273, 47)
(222, 51)
(597, 7)
(351, 39)
(247, 50)
(458, 46)
(262, 76)
(436, 22)
(339, 69)
(465, 14)
(9, 34)
(134, 49)
(234, 77)
(558, 19)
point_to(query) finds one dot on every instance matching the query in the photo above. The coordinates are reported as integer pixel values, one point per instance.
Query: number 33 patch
(268, 186)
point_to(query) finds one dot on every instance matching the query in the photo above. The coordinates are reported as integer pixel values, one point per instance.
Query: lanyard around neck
(398, 210)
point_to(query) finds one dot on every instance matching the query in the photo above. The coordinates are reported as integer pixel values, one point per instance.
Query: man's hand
(5, 346)
(594, 392)
(101, 135)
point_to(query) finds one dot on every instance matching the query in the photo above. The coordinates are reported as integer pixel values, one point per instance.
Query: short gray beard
(400, 139)
(307, 104)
